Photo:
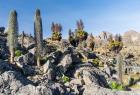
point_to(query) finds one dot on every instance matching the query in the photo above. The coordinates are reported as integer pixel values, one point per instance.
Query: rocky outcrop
(90, 74)
(131, 38)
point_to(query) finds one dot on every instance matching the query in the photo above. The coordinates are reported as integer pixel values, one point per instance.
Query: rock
(129, 56)
(28, 58)
(51, 74)
(54, 57)
(46, 66)
(11, 81)
(89, 78)
(27, 42)
(90, 75)
(19, 61)
(76, 91)
(32, 90)
(59, 89)
(93, 89)
(76, 82)
(4, 52)
(107, 70)
(66, 62)
(5, 66)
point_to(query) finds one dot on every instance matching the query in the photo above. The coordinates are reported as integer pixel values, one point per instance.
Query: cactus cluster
(77, 37)
(56, 32)
(80, 33)
(116, 44)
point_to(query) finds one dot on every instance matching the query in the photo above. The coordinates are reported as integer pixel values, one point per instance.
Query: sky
(115, 16)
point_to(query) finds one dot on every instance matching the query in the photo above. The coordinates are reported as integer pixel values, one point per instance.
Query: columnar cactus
(120, 67)
(38, 35)
(12, 34)
(56, 32)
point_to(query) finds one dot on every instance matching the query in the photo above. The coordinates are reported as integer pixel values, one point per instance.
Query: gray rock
(11, 81)
(46, 66)
(93, 89)
(28, 58)
(59, 89)
(76, 82)
(90, 75)
(66, 62)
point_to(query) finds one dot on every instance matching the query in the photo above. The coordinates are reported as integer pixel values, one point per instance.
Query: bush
(115, 85)
(65, 78)
(96, 61)
(18, 53)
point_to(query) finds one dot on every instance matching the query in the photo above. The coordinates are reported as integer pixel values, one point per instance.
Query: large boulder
(90, 74)
(11, 81)
(24, 62)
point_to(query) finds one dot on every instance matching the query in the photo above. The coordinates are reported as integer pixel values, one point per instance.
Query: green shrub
(18, 53)
(116, 86)
(96, 61)
(65, 78)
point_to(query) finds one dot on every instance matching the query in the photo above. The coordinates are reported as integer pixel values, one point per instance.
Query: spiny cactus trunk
(120, 67)
(12, 56)
(12, 34)
(38, 35)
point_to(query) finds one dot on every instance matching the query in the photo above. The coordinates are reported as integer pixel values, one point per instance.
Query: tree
(38, 35)
(13, 34)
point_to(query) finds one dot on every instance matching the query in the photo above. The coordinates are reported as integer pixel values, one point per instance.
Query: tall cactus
(38, 35)
(12, 34)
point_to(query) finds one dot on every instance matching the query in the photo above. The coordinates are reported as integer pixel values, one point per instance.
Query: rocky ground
(66, 70)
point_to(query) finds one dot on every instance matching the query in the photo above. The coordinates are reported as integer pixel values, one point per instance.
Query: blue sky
(116, 16)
